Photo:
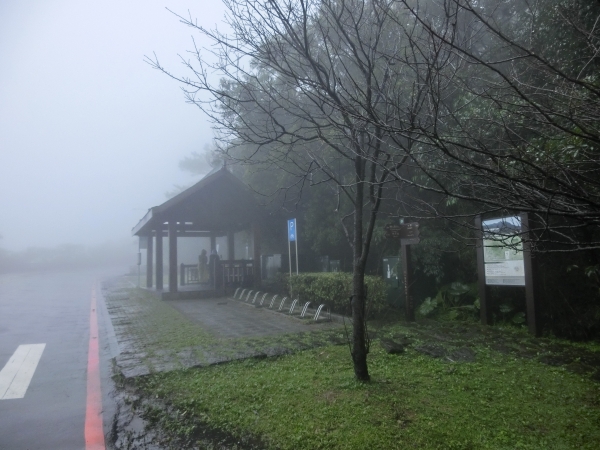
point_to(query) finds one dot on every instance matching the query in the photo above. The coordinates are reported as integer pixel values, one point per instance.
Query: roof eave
(139, 230)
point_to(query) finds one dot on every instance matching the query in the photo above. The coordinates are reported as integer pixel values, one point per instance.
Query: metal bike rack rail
(262, 299)
(303, 313)
(318, 312)
(282, 303)
(272, 301)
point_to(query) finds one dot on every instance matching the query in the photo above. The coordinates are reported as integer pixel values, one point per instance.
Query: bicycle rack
(282, 303)
(242, 294)
(248, 296)
(303, 313)
(236, 291)
(262, 299)
(318, 312)
(293, 306)
(254, 298)
(272, 301)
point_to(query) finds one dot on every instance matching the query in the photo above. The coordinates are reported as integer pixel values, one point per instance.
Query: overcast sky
(91, 135)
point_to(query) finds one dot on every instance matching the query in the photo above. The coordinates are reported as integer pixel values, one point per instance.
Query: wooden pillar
(172, 256)
(149, 261)
(257, 262)
(230, 246)
(408, 281)
(485, 308)
(159, 258)
(532, 297)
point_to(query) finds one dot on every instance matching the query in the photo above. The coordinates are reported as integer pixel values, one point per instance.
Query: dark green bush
(334, 289)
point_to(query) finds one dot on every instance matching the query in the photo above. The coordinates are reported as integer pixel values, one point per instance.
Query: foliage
(335, 288)
(516, 115)
(456, 299)
(570, 291)
(443, 111)
(310, 401)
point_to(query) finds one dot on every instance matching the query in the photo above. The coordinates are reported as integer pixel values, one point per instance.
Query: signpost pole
(407, 276)
(292, 236)
(290, 255)
(485, 310)
(531, 297)
(408, 234)
(296, 248)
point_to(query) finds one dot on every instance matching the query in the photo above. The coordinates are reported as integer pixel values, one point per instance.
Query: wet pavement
(51, 308)
(155, 335)
(229, 318)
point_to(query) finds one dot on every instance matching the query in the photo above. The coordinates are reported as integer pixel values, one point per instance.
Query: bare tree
(512, 121)
(465, 100)
(305, 88)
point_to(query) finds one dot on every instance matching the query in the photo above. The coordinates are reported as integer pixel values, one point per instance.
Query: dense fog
(90, 135)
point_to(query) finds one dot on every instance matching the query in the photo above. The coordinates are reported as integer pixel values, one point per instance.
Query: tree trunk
(359, 344)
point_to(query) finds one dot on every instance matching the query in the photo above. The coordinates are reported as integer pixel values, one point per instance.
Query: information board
(503, 251)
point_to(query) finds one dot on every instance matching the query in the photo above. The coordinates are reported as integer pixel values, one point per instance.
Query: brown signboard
(410, 241)
(404, 231)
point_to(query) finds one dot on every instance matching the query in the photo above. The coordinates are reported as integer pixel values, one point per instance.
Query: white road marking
(18, 371)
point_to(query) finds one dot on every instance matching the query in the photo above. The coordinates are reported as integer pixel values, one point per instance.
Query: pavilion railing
(237, 272)
(228, 273)
(188, 274)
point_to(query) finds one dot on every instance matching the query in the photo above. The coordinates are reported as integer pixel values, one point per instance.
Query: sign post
(408, 234)
(292, 236)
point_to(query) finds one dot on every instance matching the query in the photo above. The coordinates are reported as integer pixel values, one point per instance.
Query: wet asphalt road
(52, 308)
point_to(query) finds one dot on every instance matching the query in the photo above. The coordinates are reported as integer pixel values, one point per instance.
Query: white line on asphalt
(18, 371)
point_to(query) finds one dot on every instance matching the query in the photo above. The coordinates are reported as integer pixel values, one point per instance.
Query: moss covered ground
(455, 386)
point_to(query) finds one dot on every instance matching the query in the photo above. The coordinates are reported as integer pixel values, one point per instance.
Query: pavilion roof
(218, 202)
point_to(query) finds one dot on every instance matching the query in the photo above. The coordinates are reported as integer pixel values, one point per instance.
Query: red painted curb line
(94, 433)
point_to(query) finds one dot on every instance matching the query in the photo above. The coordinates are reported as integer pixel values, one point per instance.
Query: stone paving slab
(156, 336)
(231, 318)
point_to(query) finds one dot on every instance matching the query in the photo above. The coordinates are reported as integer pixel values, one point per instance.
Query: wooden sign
(407, 231)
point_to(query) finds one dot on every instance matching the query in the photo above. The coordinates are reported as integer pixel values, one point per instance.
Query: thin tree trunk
(359, 344)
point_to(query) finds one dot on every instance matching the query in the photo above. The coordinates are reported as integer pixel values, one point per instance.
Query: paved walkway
(155, 335)
(230, 318)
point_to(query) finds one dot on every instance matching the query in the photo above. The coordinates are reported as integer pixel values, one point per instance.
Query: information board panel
(503, 251)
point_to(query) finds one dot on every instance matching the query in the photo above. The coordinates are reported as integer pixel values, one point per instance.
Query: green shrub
(334, 289)
(455, 300)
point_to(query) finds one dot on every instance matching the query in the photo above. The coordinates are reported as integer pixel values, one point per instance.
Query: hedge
(334, 289)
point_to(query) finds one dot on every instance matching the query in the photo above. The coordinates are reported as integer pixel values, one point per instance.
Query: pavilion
(219, 206)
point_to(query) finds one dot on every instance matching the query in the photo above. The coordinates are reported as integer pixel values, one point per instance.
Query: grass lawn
(309, 400)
